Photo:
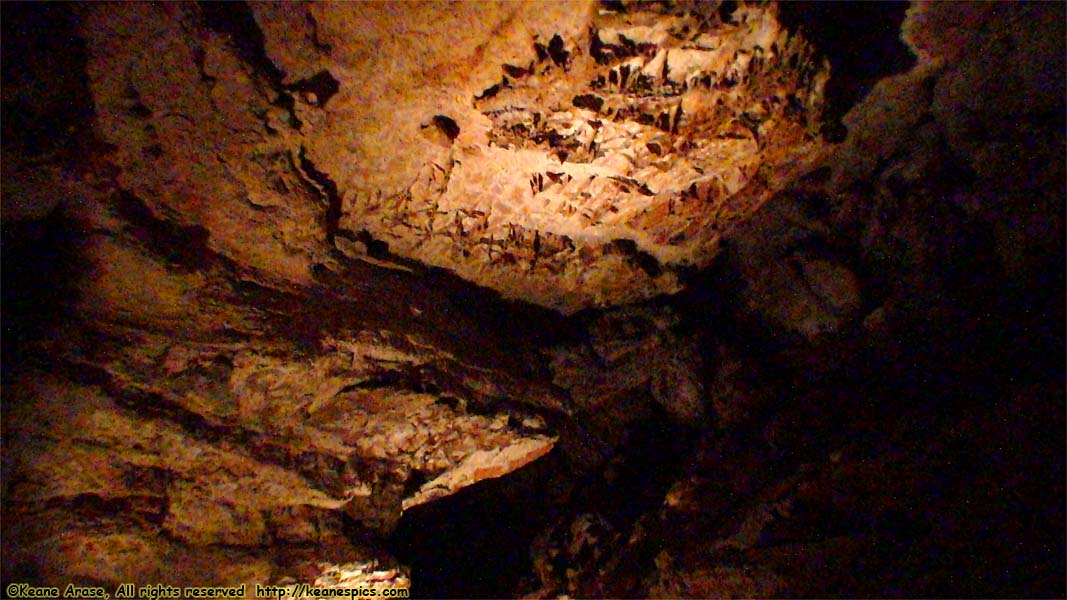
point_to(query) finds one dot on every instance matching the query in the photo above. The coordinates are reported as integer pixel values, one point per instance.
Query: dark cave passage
(478, 542)
(475, 543)
(873, 51)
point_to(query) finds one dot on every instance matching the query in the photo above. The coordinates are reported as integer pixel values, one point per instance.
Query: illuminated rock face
(570, 156)
(601, 155)
(186, 461)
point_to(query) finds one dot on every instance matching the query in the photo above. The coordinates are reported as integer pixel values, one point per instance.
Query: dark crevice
(517, 72)
(375, 248)
(321, 46)
(600, 51)
(632, 483)
(333, 198)
(459, 547)
(542, 52)
(456, 547)
(236, 20)
(590, 101)
(371, 384)
(184, 248)
(557, 53)
(727, 10)
(198, 57)
(636, 257)
(323, 85)
(447, 126)
(489, 92)
(623, 246)
(153, 403)
(144, 509)
(870, 52)
(647, 263)
(322, 471)
(413, 379)
(286, 102)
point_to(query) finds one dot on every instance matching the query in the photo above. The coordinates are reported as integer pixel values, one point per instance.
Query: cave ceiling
(573, 156)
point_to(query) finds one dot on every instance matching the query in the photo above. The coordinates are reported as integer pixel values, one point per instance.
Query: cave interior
(535, 299)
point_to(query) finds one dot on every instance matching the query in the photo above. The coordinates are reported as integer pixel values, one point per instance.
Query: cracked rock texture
(571, 156)
(493, 299)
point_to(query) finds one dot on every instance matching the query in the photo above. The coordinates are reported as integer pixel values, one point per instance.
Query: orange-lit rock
(570, 161)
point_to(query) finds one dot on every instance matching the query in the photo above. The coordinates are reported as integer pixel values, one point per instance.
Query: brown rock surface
(567, 156)
(484, 299)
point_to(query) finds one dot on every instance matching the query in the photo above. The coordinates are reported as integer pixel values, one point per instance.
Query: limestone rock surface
(571, 156)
